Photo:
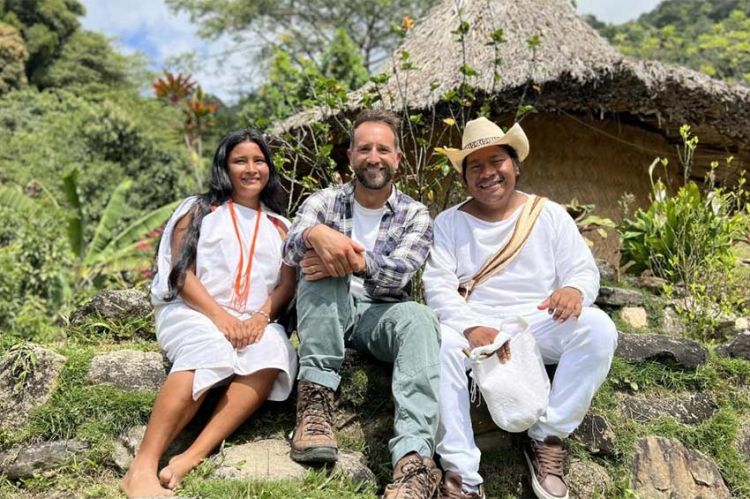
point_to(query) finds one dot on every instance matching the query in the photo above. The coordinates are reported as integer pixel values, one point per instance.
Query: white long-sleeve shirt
(555, 255)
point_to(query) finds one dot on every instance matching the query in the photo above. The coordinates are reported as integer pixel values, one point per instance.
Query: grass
(78, 410)
(714, 437)
(98, 414)
(94, 331)
(317, 484)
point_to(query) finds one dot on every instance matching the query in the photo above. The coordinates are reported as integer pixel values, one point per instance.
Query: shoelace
(319, 413)
(550, 458)
(415, 480)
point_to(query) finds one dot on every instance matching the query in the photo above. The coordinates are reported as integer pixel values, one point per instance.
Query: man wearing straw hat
(539, 269)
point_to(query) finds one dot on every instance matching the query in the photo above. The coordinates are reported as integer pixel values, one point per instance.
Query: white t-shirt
(365, 225)
(555, 255)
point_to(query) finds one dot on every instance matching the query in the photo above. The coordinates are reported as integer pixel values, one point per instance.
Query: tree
(13, 56)
(59, 53)
(87, 62)
(712, 36)
(307, 27)
(46, 25)
(290, 86)
(197, 109)
(45, 135)
(112, 247)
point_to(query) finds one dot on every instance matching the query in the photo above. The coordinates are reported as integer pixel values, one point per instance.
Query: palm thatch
(572, 70)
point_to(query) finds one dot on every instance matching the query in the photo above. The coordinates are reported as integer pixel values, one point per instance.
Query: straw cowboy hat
(481, 133)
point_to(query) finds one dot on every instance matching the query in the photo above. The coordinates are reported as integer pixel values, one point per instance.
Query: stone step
(678, 352)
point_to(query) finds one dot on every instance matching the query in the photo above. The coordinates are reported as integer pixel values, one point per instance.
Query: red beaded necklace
(241, 288)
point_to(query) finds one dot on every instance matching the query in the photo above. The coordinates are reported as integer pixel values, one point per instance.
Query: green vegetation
(316, 485)
(712, 36)
(92, 165)
(307, 28)
(689, 238)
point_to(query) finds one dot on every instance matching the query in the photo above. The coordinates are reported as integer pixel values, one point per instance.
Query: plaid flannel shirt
(403, 242)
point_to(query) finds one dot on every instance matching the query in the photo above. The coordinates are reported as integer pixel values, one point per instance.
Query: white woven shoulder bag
(517, 391)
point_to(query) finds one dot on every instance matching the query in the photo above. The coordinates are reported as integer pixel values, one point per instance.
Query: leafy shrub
(687, 238)
(106, 137)
(679, 235)
(34, 270)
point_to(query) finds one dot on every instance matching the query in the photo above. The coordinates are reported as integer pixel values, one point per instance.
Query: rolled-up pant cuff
(407, 445)
(328, 379)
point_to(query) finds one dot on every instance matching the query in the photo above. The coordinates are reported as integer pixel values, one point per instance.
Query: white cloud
(149, 27)
(616, 11)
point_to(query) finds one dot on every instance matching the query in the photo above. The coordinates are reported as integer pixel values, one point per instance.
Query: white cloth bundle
(517, 391)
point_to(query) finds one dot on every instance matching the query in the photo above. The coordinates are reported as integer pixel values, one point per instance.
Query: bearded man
(358, 246)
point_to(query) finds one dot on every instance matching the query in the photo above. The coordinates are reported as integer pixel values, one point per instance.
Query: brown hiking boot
(414, 477)
(545, 460)
(452, 487)
(313, 440)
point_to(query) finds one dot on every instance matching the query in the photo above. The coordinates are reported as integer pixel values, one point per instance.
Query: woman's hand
(254, 328)
(231, 327)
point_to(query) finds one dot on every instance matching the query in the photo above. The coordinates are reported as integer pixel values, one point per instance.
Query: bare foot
(143, 483)
(172, 474)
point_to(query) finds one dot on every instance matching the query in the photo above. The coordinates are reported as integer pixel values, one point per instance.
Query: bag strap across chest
(505, 255)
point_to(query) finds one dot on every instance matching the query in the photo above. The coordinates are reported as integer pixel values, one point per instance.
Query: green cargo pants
(403, 333)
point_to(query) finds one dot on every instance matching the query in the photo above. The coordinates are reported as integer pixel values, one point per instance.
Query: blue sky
(149, 27)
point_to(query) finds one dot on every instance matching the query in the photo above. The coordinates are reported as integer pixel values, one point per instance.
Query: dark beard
(367, 183)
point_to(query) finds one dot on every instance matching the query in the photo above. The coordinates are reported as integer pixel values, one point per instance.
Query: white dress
(191, 341)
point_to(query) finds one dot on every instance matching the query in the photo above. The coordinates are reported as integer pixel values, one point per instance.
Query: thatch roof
(573, 69)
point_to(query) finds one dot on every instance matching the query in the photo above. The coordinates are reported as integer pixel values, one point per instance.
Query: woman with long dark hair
(220, 283)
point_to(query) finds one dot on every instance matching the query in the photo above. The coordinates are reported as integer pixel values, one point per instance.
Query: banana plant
(109, 250)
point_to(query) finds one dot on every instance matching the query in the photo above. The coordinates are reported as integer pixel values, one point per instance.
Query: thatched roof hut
(601, 118)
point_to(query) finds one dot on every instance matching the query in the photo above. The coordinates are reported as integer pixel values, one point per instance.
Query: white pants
(583, 351)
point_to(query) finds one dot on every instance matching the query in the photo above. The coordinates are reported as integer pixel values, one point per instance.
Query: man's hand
(312, 267)
(480, 336)
(338, 254)
(563, 303)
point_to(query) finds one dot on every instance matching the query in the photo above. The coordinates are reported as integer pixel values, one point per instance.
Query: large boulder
(269, 459)
(738, 348)
(610, 297)
(681, 352)
(25, 462)
(262, 460)
(664, 468)
(596, 434)
(127, 444)
(690, 408)
(28, 375)
(587, 479)
(635, 317)
(114, 305)
(743, 441)
(729, 326)
(671, 323)
(129, 370)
